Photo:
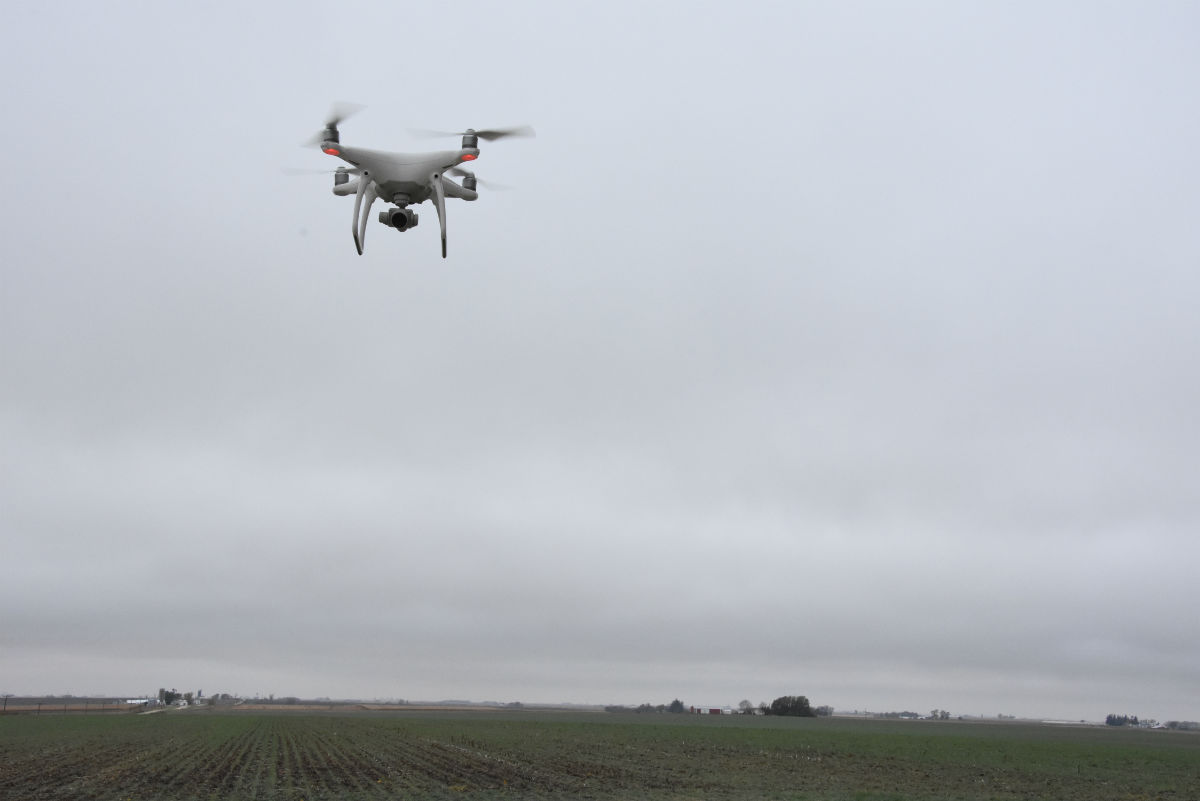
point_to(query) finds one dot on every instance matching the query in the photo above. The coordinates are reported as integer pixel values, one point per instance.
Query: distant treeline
(1132, 720)
(793, 705)
(25, 700)
(936, 714)
(641, 709)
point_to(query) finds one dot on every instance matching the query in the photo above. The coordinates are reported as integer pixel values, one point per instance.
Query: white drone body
(403, 179)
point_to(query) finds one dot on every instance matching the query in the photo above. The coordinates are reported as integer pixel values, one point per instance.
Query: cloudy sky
(838, 349)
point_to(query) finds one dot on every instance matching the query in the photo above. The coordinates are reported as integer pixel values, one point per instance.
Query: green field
(198, 754)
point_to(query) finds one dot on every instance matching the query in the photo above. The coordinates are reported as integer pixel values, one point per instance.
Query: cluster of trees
(168, 697)
(1132, 720)
(793, 705)
(172, 695)
(1122, 720)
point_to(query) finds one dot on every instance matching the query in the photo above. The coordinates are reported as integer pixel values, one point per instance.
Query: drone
(403, 179)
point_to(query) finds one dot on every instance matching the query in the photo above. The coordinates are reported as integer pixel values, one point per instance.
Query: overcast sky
(843, 349)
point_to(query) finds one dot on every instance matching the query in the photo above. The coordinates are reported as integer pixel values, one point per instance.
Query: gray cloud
(844, 351)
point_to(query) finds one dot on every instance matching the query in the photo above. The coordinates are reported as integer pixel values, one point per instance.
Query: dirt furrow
(256, 773)
(343, 764)
(225, 763)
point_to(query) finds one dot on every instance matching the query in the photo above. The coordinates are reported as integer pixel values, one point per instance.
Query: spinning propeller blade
(486, 134)
(338, 112)
(490, 185)
(342, 110)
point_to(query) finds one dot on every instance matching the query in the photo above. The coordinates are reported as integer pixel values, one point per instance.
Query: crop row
(255, 757)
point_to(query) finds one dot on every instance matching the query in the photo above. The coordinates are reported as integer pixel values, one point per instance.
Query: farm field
(202, 754)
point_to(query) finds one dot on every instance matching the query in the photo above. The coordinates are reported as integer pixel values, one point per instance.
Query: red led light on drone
(468, 157)
(333, 151)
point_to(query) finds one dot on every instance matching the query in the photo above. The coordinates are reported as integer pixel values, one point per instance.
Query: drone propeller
(337, 113)
(342, 110)
(490, 185)
(486, 134)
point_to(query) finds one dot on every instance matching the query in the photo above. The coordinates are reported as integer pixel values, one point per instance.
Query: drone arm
(455, 190)
(439, 202)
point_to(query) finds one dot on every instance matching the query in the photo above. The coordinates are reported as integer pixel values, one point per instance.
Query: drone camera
(401, 218)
